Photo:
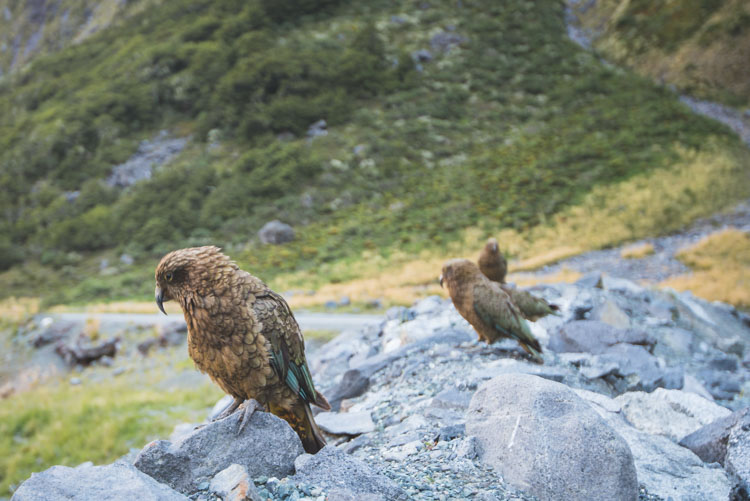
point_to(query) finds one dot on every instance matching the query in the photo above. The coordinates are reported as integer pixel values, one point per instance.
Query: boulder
(593, 336)
(353, 384)
(275, 232)
(104, 483)
(737, 461)
(267, 446)
(546, 440)
(672, 413)
(710, 441)
(335, 470)
(663, 467)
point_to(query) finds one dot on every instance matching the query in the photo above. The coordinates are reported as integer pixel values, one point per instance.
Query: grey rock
(275, 232)
(55, 331)
(345, 423)
(317, 129)
(447, 433)
(737, 461)
(234, 484)
(668, 470)
(724, 363)
(592, 336)
(692, 385)
(610, 313)
(332, 469)
(452, 398)
(354, 444)
(126, 259)
(546, 440)
(720, 384)
(353, 384)
(672, 413)
(86, 482)
(150, 154)
(710, 441)
(267, 446)
(622, 285)
(345, 301)
(446, 40)
(467, 448)
(421, 56)
(632, 368)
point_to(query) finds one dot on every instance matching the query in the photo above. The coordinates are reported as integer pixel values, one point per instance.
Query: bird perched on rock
(244, 336)
(487, 307)
(531, 307)
(494, 266)
(492, 262)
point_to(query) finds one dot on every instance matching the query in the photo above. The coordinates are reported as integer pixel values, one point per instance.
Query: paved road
(308, 321)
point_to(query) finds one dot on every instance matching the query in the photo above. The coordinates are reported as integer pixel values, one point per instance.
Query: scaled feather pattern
(243, 335)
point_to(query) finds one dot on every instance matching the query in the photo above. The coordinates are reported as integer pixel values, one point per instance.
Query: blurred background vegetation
(504, 124)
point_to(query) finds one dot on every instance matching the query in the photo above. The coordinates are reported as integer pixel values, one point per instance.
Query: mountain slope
(440, 118)
(700, 46)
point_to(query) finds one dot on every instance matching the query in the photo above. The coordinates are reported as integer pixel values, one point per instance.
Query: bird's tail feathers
(534, 349)
(321, 401)
(301, 420)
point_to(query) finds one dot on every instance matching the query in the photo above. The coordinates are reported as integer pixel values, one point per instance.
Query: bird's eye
(169, 276)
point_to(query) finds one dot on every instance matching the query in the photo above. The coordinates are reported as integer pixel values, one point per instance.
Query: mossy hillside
(504, 131)
(700, 46)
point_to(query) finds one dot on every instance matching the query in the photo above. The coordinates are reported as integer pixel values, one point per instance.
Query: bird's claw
(250, 406)
(229, 409)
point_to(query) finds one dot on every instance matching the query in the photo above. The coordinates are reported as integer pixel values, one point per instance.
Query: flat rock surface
(113, 482)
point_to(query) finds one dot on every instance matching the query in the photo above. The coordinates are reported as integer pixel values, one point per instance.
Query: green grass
(96, 421)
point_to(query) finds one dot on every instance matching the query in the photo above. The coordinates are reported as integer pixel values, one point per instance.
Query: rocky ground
(662, 263)
(635, 399)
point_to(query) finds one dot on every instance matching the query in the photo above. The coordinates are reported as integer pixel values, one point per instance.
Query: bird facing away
(487, 307)
(244, 336)
(492, 262)
(531, 307)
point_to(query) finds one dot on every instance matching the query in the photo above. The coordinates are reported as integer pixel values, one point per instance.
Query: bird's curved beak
(159, 295)
(441, 280)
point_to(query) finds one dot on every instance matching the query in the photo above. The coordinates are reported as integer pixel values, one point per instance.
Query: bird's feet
(250, 406)
(229, 409)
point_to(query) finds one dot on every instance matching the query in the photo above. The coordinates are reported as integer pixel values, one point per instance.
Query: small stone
(275, 232)
(345, 423)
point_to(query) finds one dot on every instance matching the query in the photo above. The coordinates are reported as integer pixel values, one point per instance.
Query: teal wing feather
(288, 348)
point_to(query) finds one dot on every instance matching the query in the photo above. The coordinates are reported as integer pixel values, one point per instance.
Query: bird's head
(192, 271)
(492, 245)
(457, 270)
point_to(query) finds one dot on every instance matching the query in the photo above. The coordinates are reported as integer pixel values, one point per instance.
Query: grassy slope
(506, 132)
(700, 46)
(28, 29)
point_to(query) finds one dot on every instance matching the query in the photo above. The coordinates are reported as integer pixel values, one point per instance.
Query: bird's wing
(287, 347)
(496, 309)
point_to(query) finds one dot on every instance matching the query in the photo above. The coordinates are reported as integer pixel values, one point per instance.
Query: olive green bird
(531, 307)
(494, 266)
(244, 336)
(492, 262)
(487, 307)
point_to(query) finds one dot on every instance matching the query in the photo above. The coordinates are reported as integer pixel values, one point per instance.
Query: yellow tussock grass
(721, 268)
(701, 183)
(637, 251)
